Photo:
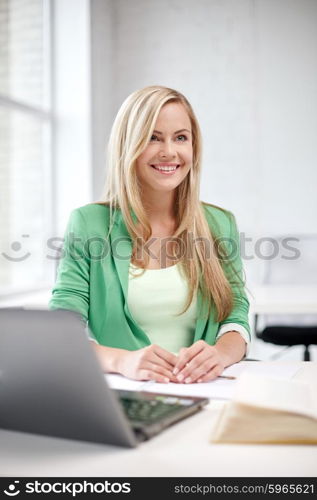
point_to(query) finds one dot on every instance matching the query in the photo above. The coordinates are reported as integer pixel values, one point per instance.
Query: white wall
(249, 69)
(287, 81)
(72, 107)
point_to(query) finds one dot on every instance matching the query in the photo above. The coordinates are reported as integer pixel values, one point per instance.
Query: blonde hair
(130, 134)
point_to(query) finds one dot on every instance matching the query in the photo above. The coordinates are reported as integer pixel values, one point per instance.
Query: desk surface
(294, 299)
(182, 450)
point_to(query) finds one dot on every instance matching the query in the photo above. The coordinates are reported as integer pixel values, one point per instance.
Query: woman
(154, 271)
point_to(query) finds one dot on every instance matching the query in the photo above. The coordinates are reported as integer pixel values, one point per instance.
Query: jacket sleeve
(71, 290)
(234, 271)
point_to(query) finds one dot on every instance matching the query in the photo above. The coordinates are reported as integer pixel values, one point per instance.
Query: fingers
(212, 374)
(166, 356)
(199, 363)
(155, 355)
(198, 366)
(152, 371)
(154, 364)
(152, 375)
(185, 356)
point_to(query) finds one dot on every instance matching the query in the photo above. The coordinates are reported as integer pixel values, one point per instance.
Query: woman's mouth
(165, 169)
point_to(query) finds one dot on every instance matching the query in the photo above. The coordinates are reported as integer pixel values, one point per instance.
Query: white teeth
(166, 169)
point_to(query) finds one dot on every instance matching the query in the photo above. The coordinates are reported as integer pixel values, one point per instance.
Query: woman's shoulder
(221, 214)
(94, 217)
(219, 219)
(92, 210)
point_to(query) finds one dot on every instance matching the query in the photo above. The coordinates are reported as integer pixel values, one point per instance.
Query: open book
(267, 410)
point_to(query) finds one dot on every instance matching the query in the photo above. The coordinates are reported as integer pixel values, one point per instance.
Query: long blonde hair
(130, 134)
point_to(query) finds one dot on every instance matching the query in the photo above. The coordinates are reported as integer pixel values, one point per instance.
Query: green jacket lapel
(202, 318)
(121, 248)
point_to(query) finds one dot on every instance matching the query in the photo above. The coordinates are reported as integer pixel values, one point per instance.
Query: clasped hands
(200, 362)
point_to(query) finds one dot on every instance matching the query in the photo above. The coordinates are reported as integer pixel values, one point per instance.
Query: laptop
(51, 383)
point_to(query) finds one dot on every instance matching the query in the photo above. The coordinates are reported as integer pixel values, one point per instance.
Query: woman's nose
(167, 149)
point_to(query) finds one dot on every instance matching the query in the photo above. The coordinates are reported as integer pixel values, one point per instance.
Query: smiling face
(168, 157)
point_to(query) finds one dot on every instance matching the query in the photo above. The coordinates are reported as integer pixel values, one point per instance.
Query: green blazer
(93, 277)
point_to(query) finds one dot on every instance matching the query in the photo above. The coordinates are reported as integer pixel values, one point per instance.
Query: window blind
(25, 145)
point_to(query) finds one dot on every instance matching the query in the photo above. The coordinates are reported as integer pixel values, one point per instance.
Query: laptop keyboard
(147, 411)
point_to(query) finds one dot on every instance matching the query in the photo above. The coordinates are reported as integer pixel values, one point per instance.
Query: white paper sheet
(217, 389)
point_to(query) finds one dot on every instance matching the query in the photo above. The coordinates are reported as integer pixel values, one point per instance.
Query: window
(26, 123)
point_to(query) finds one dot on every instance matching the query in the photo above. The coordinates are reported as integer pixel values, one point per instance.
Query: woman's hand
(150, 363)
(200, 362)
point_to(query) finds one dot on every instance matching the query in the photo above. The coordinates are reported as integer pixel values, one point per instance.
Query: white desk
(292, 299)
(183, 450)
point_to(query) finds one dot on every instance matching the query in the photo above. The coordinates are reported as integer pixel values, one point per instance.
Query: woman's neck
(160, 207)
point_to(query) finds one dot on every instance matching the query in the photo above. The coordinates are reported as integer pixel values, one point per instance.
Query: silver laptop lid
(51, 382)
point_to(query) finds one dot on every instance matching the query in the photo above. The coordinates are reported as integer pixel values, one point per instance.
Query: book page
(268, 392)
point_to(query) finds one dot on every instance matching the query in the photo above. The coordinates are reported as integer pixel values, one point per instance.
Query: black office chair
(291, 330)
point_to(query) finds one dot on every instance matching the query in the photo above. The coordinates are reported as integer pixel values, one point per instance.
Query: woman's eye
(181, 138)
(154, 138)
